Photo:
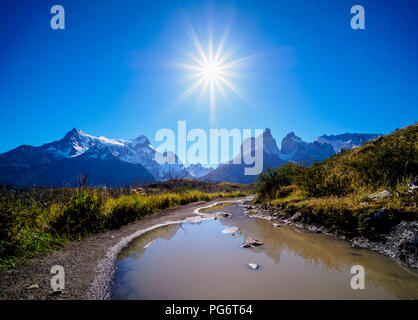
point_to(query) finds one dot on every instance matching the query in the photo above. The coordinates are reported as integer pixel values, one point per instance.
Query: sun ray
(196, 59)
(220, 47)
(189, 67)
(236, 63)
(210, 49)
(189, 91)
(198, 47)
(204, 89)
(212, 101)
(234, 88)
(220, 87)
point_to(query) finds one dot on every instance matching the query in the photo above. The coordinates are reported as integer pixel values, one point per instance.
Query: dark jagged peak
(291, 143)
(295, 149)
(269, 143)
(267, 132)
(292, 136)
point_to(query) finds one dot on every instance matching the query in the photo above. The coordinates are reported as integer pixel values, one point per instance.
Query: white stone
(253, 266)
(230, 230)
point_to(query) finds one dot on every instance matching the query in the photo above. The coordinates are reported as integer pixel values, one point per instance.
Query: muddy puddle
(199, 261)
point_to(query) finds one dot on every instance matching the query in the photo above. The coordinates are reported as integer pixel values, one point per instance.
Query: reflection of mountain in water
(137, 247)
(331, 255)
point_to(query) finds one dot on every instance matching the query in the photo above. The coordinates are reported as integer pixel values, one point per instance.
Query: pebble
(34, 286)
(253, 266)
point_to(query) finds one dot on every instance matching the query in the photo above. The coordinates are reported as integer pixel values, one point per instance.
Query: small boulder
(222, 215)
(253, 242)
(314, 229)
(378, 215)
(276, 225)
(296, 217)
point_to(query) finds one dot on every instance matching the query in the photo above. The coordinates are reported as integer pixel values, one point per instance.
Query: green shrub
(270, 181)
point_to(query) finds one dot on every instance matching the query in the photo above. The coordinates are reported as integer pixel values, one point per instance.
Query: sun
(211, 71)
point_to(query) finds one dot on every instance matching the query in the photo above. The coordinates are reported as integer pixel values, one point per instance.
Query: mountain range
(117, 162)
(111, 162)
(293, 148)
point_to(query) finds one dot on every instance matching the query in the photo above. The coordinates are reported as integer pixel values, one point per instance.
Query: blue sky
(109, 72)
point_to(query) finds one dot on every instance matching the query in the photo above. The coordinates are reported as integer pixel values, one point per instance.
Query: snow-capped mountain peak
(141, 139)
(347, 140)
(137, 151)
(197, 170)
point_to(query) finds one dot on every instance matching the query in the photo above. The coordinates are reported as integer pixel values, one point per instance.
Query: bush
(320, 180)
(270, 181)
(81, 215)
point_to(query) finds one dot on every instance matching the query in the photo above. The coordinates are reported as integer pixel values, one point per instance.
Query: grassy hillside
(34, 221)
(335, 192)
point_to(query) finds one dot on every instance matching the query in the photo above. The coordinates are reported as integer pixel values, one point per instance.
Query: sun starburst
(211, 70)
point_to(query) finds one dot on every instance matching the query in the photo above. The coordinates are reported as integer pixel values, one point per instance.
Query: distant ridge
(117, 162)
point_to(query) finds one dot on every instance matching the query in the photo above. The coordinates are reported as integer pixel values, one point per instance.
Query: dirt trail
(84, 261)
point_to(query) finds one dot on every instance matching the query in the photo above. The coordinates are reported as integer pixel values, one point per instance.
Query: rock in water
(276, 225)
(253, 266)
(250, 242)
(230, 230)
(221, 215)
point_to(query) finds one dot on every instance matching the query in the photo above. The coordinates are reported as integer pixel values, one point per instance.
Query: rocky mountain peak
(291, 143)
(267, 132)
(141, 139)
(73, 133)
